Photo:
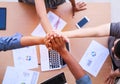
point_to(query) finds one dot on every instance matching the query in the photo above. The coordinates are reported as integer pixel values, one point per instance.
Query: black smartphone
(82, 22)
(2, 18)
(58, 79)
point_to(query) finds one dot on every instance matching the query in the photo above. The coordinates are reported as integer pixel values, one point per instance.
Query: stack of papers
(24, 59)
(94, 58)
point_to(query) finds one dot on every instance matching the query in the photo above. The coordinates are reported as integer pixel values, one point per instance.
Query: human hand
(47, 41)
(79, 6)
(58, 43)
(61, 33)
(111, 78)
(55, 41)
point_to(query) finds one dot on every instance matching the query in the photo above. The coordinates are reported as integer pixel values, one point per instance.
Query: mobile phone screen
(82, 22)
(58, 79)
(2, 18)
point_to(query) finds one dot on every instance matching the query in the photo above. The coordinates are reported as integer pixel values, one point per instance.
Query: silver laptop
(51, 60)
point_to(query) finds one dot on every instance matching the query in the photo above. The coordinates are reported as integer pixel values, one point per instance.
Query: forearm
(31, 40)
(42, 13)
(74, 67)
(72, 3)
(99, 31)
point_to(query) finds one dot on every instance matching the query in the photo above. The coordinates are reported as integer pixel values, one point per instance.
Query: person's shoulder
(115, 24)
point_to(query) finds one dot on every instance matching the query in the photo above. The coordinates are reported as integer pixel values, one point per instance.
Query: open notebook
(51, 60)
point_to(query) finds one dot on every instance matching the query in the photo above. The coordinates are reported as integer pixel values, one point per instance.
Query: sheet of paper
(38, 31)
(56, 22)
(25, 57)
(94, 58)
(15, 75)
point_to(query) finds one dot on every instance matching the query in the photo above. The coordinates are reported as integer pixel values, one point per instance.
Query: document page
(94, 58)
(25, 58)
(15, 75)
(56, 21)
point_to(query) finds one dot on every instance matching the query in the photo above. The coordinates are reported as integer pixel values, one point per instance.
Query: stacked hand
(55, 41)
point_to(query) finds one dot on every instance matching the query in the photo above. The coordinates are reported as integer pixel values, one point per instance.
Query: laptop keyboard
(54, 59)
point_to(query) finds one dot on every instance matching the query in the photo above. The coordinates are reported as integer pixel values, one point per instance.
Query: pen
(57, 23)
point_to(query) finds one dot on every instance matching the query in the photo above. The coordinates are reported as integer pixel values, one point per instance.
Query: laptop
(50, 59)
(58, 79)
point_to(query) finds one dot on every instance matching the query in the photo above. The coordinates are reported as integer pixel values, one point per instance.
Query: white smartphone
(82, 22)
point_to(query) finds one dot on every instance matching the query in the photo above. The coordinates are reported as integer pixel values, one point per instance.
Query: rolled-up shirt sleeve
(115, 30)
(84, 80)
(10, 42)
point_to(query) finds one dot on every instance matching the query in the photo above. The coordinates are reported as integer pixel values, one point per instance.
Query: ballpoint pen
(57, 23)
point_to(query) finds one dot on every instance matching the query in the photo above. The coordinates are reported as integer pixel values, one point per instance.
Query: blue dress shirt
(10, 42)
(84, 80)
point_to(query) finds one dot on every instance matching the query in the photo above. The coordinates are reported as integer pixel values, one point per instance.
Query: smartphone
(82, 22)
(58, 79)
(2, 18)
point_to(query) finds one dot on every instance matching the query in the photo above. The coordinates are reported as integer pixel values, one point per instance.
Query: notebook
(58, 79)
(51, 60)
